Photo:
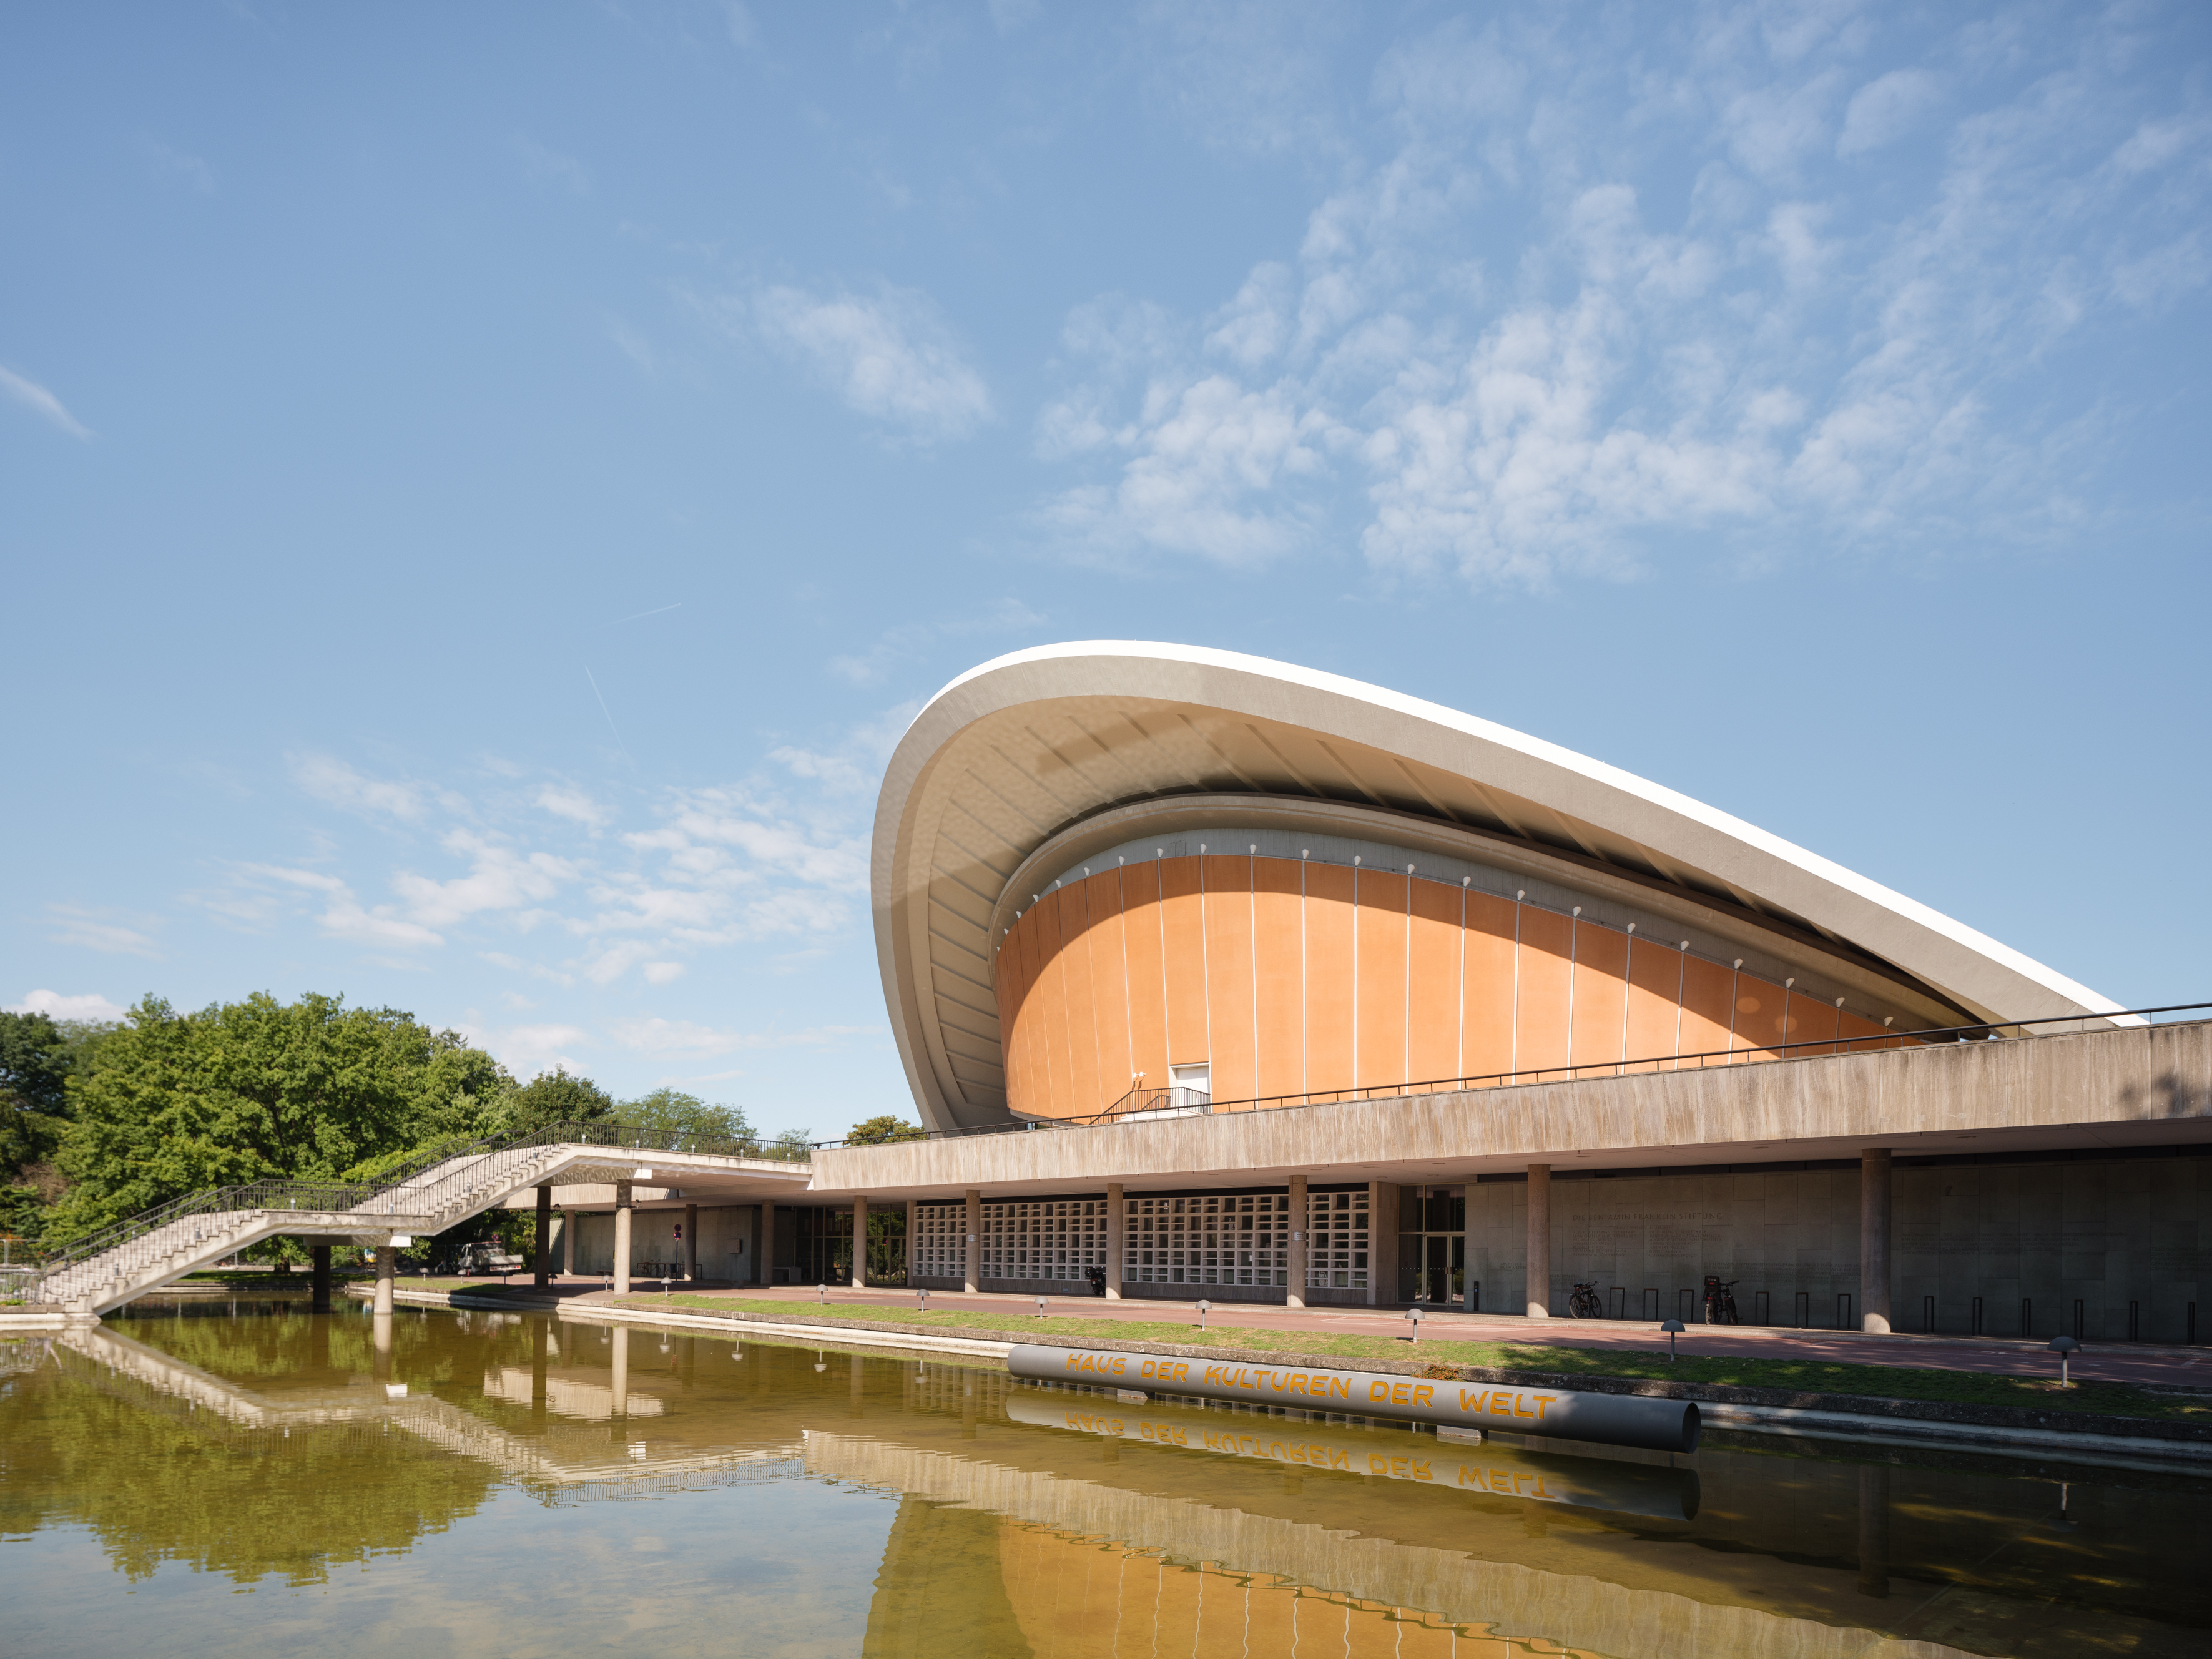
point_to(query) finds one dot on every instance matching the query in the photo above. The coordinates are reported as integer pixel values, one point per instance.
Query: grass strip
(2087, 1395)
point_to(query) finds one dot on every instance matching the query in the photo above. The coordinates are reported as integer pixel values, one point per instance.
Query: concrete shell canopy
(1021, 768)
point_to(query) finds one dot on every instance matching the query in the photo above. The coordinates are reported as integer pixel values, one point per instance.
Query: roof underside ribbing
(1026, 750)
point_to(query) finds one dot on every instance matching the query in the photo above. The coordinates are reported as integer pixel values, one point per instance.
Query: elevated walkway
(149, 1250)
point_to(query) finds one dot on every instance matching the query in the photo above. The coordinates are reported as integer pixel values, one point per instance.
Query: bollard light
(1204, 1308)
(1673, 1328)
(1414, 1314)
(923, 1292)
(822, 1294)
(1040, 1307)
(2065, 1347)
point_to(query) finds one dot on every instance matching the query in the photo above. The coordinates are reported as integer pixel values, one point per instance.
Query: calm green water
(251, 1479)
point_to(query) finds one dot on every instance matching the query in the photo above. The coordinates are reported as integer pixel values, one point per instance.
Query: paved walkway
(2115, 1362)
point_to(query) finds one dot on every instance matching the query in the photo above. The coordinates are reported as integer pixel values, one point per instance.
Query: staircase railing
(391, 1194)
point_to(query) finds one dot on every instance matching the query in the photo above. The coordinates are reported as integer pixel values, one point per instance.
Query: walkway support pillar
(621, 1252)
(1873, 1238)
(860, 1246)
(1540, 1241)
(320, 1255)
(542, 1266)
(1296, 1295)
(1117, 1223)
(971, 1258)
(690, 1242)
(621, 1360)
(388, 1265)
(567, 1245)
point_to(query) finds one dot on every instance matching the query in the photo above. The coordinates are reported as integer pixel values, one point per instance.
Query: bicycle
(1584, 1303)
(1720, 1301)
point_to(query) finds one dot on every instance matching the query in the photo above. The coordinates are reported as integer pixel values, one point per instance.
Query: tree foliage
(672, 1112)
(875, 1131)
(552, 1098)
(258, 1090)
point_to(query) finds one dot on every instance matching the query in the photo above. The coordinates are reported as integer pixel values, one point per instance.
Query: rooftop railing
(1172, 1102)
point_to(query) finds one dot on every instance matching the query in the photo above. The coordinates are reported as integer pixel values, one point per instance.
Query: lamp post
(2065, 1347)
(1040, 1307)
(1414, 1314)
(1673, 1328)
(822, 1295)
(922, 1291)
(1204, 1308)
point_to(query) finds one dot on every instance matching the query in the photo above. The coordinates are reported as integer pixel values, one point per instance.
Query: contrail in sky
(609, 713)
(641, 615)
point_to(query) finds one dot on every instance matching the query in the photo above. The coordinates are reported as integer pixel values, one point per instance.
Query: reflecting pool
(203, 1476)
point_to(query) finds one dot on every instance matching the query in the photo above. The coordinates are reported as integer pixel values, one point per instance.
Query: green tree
(256, 1091)
(792, 1146)
(552, 1098)
(34, 1065)
(875, 1131)
(672, 1112)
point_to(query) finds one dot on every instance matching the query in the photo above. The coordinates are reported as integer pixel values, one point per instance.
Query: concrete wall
(653, 1238)
(2102, 1233)
(2157, 1077)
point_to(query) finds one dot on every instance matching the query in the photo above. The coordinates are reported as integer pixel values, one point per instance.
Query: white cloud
(548, 167)
(40, 402)
(87, 931)
(1885, 110)
(888, 355)
(90, 1007)
(333, 780)
(678, 1037)
(663, 973)
(499, 879)
(176, 164)
(345, 917)
(526, 1050)
(564, 800)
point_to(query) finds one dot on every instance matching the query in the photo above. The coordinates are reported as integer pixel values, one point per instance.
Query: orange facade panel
(1327, 908)
(1279, 972)
(1808, 1019)
(1758, 1017)
(1087, 1091)
(1379, 1038)
(1708, 994)
(1541, 973)
(1231, 990)
(1655, 989)
(1110, 984)
(1600, 999)
(1486, 1005)
(1861, 1036)
(1144, 953)
(1182, 928)
(1433, 995)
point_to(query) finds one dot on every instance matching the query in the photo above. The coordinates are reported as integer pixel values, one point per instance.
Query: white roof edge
(1824, 872)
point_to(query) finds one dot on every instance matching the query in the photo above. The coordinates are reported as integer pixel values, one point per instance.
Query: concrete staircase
(208, 1231)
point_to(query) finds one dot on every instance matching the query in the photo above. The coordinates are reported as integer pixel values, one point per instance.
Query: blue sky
(483, 489)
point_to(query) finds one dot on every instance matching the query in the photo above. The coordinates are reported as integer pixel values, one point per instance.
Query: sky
(483, 489)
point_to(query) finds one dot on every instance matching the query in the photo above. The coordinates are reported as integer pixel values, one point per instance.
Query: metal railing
(396, 1192)
(1170, 1103)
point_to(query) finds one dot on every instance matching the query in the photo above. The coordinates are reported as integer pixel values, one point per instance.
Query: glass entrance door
(1442, 1275)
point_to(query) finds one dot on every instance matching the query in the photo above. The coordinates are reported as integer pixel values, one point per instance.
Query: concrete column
(567, 1245)
(539, 1333)
(856, 1395)
(542, 1267)
(320, 1255)
(764, 1251)
(621, 1272)
(690, 1242)
(387, 1264)
(1381, 1242)
(860, 1244)
(912, 1267)
(379, 1346)
(622, 1358)
(1873, 1238)
(1117, 1227)
(1540, 1241)
(1296, 1296)
(971, 1259)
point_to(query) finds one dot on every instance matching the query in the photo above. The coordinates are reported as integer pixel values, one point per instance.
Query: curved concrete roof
(1016, 757)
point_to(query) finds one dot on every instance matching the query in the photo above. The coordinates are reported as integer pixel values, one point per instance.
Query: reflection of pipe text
(1505, 1481)
(1262, 1381)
